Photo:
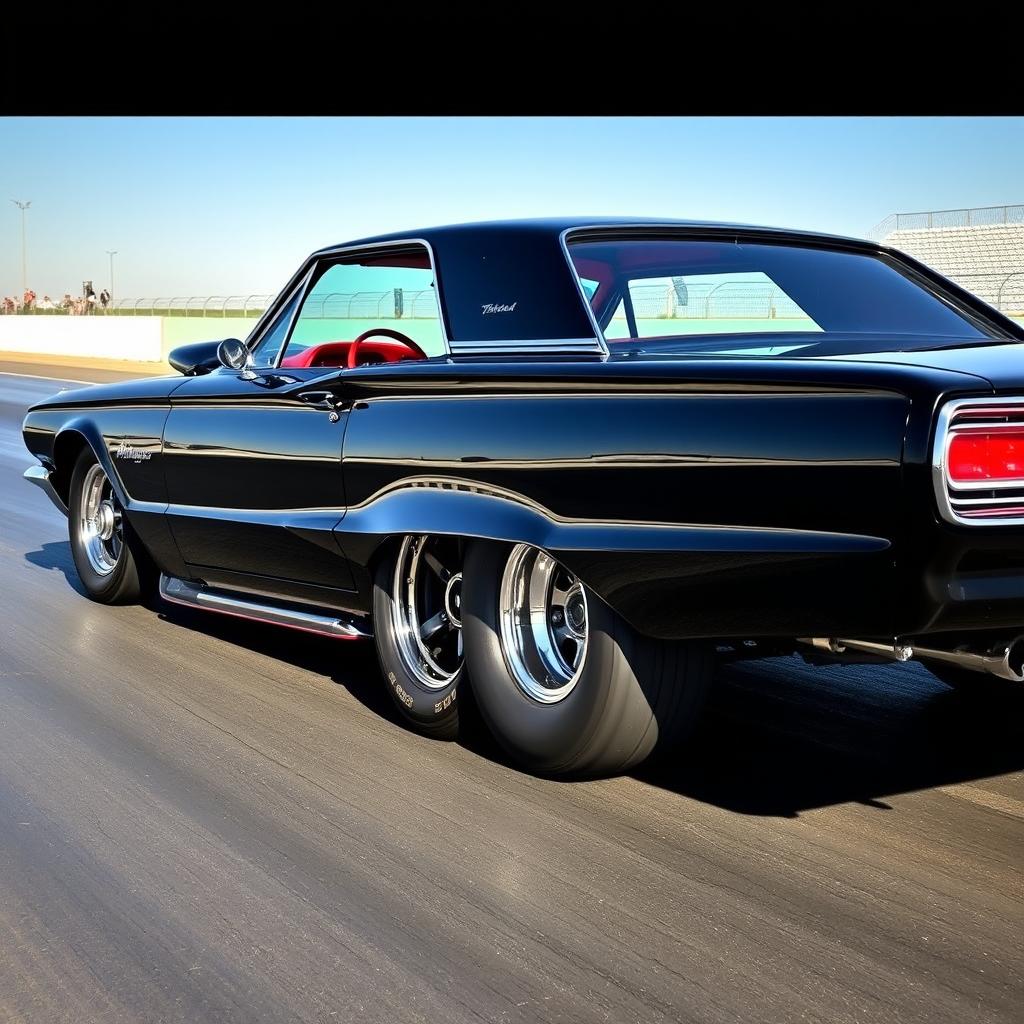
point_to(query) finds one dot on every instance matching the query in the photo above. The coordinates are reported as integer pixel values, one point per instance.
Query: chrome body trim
(1002, 405)
(470, 487)
(196, 595)
(40, 476)
(569, 533)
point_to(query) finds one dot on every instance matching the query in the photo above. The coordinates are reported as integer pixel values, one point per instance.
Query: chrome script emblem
(499, 307)
(128, 451)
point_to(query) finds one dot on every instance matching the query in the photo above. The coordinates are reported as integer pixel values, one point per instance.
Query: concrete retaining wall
(135, 338)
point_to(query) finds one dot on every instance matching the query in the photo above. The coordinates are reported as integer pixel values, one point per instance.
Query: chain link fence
(730, 300)
(726, 300)
(977, 216)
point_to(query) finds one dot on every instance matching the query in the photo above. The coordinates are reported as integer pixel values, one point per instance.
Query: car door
(254, 471)
(254, 481)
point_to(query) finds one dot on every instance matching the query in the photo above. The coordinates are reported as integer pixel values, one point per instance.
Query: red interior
(335, 353)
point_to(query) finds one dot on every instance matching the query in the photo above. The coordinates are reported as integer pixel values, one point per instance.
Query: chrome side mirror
(233, 354)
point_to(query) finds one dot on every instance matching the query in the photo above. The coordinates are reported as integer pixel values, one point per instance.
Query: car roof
(554, 226)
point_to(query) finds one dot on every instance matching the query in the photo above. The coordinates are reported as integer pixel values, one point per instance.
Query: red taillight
(979, 455)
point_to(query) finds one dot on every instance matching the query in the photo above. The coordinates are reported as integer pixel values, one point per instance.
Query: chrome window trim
(326, 254)
(599, 337)
(266, 322)
(533, 346)
(298, 291)
(940, 464)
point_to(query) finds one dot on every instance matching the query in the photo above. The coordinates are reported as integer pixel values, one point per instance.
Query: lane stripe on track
(39, 376)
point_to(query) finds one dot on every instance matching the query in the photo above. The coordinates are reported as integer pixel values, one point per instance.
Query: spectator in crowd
(104, 298)
(29, 300)
(47, 303)
(65, 303)
(90, 300)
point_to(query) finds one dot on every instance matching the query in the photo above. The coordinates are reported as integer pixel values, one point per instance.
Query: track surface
(204, 821)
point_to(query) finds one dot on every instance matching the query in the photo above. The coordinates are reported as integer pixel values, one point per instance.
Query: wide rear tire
(619, 698)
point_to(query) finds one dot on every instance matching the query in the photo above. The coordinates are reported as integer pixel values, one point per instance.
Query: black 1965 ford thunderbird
(569, 463)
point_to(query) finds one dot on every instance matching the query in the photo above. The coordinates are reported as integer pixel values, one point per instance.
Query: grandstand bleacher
(987, 258)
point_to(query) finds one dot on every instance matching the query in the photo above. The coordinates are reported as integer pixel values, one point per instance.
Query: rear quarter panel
(787, 463)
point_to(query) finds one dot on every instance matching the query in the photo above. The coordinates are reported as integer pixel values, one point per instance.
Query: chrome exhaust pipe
(894, 651)
(1006, 660)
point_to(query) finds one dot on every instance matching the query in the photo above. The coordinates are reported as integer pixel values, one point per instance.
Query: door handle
(325, 400)
(319, 399)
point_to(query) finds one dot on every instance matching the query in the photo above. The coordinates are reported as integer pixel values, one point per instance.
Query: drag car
(569, 465)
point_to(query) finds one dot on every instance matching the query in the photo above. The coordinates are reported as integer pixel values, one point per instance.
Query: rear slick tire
(619, 698)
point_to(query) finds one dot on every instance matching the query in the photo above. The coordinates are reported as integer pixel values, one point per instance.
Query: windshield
(738, 293)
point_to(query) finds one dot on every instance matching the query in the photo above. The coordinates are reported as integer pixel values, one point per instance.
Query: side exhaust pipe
(1005, 660)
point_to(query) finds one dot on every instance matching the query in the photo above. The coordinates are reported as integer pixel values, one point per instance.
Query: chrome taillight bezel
(954, 499)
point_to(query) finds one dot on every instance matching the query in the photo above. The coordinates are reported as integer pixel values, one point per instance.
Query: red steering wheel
(415, 352)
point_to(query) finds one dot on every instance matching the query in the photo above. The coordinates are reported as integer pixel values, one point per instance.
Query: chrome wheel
(544, 625)
(426, 612)
(100, 530)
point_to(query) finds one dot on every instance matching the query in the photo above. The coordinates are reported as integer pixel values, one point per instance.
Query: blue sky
(204, 206)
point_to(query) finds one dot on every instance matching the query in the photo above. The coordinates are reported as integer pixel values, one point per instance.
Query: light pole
(111, 253)
(24, 257)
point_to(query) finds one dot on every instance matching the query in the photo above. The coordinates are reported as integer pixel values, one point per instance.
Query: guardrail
(975, 216)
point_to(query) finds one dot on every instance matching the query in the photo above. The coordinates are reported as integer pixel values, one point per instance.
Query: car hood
(146, 389)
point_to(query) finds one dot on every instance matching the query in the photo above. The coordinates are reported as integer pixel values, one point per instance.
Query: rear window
(666, 288)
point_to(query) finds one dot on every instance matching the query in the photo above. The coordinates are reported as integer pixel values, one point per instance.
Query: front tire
(417, 625)
(565, 685)
(99, 536)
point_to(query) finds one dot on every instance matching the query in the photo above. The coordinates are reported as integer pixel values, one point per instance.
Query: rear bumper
(40, 476)
(963, 580)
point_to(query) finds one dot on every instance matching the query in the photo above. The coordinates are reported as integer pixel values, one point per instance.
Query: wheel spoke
(543, 648)
(425, 610)
(435, 563)
(100, 525)
(562, 585)
(433, 625)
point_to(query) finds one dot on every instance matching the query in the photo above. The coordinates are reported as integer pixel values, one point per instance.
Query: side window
(265, 353)
(714, 304)
(393, 291)
(617, 327)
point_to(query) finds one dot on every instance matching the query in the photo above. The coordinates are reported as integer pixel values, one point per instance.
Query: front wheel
(99, 536)
(565, 685)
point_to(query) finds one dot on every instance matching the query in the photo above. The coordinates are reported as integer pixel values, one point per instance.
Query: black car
(569, 464)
